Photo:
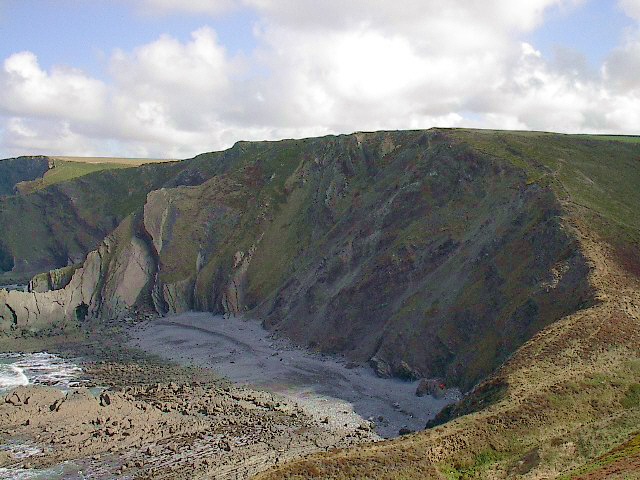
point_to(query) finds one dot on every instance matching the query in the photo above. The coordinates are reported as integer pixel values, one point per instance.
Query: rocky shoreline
(164, 430)
(229, 402)
(152, 419)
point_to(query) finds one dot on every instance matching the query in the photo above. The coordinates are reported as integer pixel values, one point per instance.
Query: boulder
(405, 372)
(434, 387)
(380, 367)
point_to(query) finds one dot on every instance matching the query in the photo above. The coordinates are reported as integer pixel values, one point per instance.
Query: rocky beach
(325, 386)
(121, 414)
(230, 402)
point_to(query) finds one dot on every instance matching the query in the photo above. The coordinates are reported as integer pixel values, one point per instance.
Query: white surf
(12, 376)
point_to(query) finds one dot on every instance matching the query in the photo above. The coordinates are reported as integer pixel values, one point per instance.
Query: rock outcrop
(414, 249)
(433, 387)
(181, 430)
(13, 171)
(52, 280)
(112, 279)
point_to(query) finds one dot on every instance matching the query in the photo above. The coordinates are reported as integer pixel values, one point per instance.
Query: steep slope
(407, 249)
(67, 219)
(21, 169)
(404, 248)
(566, 403)
(557, 407)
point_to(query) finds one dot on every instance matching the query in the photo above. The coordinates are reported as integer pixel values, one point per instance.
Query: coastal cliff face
(410, 250)
(65, 221)
(110, 282)
(416, 251)
(13, 171)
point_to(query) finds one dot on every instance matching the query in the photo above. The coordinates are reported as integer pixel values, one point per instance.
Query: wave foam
(12, 376)
(38, 369)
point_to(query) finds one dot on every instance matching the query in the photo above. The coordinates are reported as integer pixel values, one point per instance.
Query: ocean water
(64, 471)
(37, 369)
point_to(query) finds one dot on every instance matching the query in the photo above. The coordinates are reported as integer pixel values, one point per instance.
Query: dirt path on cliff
(324, 386)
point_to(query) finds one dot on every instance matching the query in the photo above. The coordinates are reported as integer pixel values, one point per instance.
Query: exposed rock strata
(111, 281)
(155, 430)
(52, 280)
(408, 247)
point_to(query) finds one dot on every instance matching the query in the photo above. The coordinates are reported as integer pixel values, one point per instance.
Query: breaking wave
(18, 369)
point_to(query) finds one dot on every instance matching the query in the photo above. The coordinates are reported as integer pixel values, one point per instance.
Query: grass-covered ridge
(600, 174)
(566, 402)
(64, 169)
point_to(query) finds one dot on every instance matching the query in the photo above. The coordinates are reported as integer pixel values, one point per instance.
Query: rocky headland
(501, 263)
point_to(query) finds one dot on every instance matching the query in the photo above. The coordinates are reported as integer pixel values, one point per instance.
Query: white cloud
(35, 136)
(622, 67)
(631, 8)
(182, 83)
(63, 93)
(321, 67)
(163, 99)
(210, 7)
(367, 64)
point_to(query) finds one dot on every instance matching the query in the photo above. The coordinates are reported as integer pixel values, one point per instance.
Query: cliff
(426, 253)
(21, 169)
(65, 221)
(110, 281)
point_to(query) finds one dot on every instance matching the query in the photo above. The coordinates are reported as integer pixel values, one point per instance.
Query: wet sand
(324, 386)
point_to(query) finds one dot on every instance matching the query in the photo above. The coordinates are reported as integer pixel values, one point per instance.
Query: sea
(42, 368)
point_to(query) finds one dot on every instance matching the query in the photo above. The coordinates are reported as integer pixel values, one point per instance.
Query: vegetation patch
(477, 467)
(63, 172)
(632, 396)
(625, 458)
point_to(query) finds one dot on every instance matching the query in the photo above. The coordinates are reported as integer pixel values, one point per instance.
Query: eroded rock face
(433, 387)
(381, 367)
(111, 280)
(407, 247)
(52, 280)
(13, 171)
(35, 310)
(159, 217)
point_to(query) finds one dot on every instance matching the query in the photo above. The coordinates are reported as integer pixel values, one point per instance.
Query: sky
(174, 78)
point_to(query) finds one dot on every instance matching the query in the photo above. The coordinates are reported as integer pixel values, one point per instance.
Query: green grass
(613, 138)
(64, 171)
(628, 450)
(598, 174)
(476, 469)
(632, 396)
